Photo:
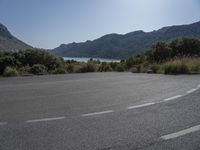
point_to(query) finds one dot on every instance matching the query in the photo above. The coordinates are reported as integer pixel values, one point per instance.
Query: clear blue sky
(48, 23)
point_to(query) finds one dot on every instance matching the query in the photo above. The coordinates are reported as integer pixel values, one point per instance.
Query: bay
(86, 59)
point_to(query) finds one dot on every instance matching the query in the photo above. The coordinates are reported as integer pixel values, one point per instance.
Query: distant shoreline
(86, 59)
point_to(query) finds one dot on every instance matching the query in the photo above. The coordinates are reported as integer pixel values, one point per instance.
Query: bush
(155, 68)
(194, 65)
(38, 56)
(10, 72)
(141, 69)
(176, 68)
(60, 71)
(120, 68)
(113, 65)
(8, 61)
(195, 69)
(104, 67)
(24, 70)
(89, 67)
(38, 69)
(134, 70)
(70, 68)
(133, 61)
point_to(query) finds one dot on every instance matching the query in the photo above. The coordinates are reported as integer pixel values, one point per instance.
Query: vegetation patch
(38, 69)
(60, 71)
(10, 72)
(181, 56)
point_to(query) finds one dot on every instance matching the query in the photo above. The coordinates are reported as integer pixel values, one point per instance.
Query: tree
(159, 53)
(6, 61)
(187, 47)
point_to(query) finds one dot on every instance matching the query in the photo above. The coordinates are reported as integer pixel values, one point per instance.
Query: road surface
(100, 111)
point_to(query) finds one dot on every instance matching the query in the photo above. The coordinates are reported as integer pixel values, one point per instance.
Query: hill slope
(123, 46)
(10, 43)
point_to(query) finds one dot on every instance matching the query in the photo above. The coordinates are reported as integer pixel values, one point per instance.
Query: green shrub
(24, 70)
(113, 65)
(60, 71)
(184, 47)
(105, 67)
(8, 61)
(135, 60)
(70, 68)
(155, 68)
(38, 69)
(195, 69)
(120, 68)
(10, 72)
(133, 70)
(89, 67)
(141, 69)
(194, 65)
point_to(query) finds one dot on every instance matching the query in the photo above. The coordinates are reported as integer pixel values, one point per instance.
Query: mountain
(10, 43)
(122, 46)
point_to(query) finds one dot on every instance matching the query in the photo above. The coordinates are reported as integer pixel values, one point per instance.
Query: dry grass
(181, 66)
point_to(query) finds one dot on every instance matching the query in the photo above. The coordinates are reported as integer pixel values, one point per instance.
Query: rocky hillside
(123, 46)
(10, 43)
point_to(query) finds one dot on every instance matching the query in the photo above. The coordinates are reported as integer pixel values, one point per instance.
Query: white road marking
(45, 119)
(142, 105)
(3, 123)
(172, 98)
(191, 91)
(181, 133)
(97, 113)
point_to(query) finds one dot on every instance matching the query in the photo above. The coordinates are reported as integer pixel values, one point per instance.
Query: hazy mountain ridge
(123, 46)
(10, 43)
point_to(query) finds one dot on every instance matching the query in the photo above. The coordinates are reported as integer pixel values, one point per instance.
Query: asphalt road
(100, 111)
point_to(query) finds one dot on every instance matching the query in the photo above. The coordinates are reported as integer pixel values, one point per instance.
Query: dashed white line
(172, 98)
(181, 133)
(45, 119)
(192, 90)
(142, 105)
(97, 113)
(3, 123)
(130, 107)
